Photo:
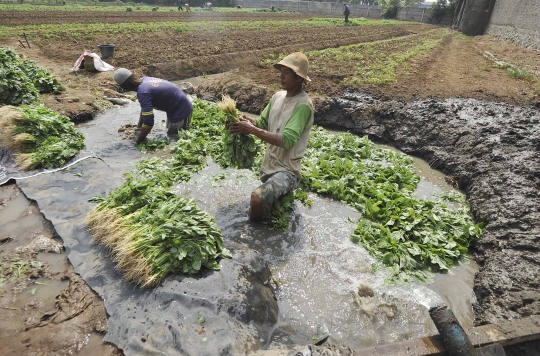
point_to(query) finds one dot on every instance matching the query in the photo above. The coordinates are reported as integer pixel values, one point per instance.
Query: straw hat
(296, 61)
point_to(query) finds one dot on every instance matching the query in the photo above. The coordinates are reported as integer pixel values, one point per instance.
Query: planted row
(78, 29)
(377, 62)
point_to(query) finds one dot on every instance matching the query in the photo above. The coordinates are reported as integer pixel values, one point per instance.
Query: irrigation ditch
(486, 149)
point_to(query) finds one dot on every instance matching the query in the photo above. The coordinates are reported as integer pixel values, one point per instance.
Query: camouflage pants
(275, 186)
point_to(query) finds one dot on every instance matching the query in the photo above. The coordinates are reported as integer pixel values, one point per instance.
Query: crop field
(405, 59)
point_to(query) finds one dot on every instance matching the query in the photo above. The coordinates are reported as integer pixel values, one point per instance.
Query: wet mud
(490, 150)
(47, 309)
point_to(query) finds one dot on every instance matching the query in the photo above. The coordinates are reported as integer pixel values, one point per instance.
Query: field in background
(395, 58)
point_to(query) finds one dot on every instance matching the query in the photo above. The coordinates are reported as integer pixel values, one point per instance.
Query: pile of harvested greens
(151, 231)
(407, 234)
(40, 137)
(21, 81)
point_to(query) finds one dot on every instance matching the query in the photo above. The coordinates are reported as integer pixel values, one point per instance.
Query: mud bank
(47, 309)
(491, 151)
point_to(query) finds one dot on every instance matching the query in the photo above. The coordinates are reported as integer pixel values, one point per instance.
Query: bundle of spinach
(43, 137)
(239, 151)
(407, 234)
(21, 80)
(205, 138)
(153, 232)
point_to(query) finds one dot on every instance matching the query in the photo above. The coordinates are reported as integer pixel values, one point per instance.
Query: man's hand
(142, 134)
(253, 121)
(244, 126)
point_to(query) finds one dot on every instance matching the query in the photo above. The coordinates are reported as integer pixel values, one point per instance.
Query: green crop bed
(77, 30)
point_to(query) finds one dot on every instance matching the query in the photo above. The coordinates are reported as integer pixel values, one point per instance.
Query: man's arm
(139, 125)
(146, 120)
(291, 133)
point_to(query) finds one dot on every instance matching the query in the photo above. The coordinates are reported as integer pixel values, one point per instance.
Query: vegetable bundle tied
(239, 151)
(39, 137)
(151, 231)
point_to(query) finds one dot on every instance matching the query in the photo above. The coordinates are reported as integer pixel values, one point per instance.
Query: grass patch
(462, 37)
(516, 72)
(536, 88)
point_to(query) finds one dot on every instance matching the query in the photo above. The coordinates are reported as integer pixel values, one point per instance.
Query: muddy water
(324, 283)
(317, 269)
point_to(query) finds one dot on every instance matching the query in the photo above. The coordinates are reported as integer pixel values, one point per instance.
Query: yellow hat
(296, 61)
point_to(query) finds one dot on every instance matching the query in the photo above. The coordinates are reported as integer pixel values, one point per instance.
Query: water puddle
(40, 293)
(16, 207)
(431, 180)
(57, 262)
(93, 345)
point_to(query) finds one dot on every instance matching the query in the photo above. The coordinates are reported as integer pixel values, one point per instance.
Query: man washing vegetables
(160, 94)
(284, 125)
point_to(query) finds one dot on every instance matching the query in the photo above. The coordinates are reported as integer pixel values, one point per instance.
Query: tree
(391, 7)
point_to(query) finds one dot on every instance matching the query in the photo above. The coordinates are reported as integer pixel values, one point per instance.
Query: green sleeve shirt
(297, 124)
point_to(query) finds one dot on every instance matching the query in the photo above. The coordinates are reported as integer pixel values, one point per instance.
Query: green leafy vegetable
(21, 81)
(43, 137)
(239, 151)
(152, 231)
(407, 234)
(153, 145)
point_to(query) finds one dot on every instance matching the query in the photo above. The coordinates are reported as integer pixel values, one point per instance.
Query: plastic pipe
(455, 339)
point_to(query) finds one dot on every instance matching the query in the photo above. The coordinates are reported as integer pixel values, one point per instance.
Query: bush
(440, 8)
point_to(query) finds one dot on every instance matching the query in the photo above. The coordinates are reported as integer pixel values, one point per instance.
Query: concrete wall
(476, 16)
(336, 9)
(517, 21)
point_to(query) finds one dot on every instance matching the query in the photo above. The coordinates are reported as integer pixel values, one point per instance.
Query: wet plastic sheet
(237, 309)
